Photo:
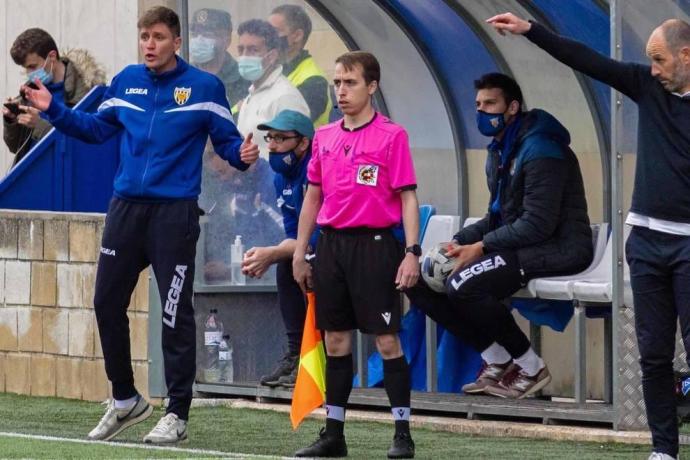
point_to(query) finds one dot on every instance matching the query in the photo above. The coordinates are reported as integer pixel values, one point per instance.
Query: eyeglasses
(279, 138)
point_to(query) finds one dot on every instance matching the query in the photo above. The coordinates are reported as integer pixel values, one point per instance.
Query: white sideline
(216, 453)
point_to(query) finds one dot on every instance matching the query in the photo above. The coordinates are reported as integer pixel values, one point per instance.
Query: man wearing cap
(260, 52)
(211, 32)
(293, 23)
(289, 143)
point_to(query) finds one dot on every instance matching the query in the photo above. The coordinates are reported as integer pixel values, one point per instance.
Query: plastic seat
(561, 287)
(596, 286)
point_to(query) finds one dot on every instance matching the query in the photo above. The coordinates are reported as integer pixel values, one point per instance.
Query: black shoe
(402, 447)
(289, 380)
(325, 446)
(285, 366)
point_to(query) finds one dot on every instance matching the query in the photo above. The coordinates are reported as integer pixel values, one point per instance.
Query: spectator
(289, 142)
(293, 23)
(259, 60)
(211, 34)
(68, 77)
(536, 225)
(658, 248)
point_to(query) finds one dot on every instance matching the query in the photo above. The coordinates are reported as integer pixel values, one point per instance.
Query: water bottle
(213, 332)
(236, 255)
(227, 373)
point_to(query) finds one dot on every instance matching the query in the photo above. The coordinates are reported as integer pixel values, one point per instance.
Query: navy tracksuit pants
(660, 278)
(162, 235)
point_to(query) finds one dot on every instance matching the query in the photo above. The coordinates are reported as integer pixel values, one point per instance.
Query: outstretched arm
(625, 77)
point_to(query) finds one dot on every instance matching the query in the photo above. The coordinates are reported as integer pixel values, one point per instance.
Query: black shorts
(354, 280)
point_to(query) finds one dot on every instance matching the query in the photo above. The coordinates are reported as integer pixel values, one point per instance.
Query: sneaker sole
(541, 384)
(178, 440)
(475, 391)
(139, 418)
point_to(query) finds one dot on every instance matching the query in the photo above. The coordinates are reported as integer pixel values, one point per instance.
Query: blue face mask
(201, 49)
(250, 67)
(490, 124)
(283, 163)
(42, 74)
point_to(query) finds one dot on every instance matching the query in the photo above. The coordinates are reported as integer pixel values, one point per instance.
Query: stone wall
(49, 343)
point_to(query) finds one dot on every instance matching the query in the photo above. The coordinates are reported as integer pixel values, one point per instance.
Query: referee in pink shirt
(361, 185)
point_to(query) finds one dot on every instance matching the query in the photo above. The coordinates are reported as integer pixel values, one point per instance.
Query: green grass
(262, 432)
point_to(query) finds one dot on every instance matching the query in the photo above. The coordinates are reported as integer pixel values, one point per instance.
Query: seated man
(68, 78)
(536, 225)
(289, 142)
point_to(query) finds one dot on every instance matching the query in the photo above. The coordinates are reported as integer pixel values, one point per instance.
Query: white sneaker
(168, 429)
(116, 420)
(660, 456)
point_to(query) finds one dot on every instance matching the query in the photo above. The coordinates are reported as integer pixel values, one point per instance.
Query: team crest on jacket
(181, 95)
(367, 175)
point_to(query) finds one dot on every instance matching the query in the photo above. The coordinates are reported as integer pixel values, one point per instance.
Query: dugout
(430, 52)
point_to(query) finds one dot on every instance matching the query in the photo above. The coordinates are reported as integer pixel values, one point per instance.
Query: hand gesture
(257, 261)
(29, 116)
(249, 151)
(508, 22)
(40, 98)
(408, 272)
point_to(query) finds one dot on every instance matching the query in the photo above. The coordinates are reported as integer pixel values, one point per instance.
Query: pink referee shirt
(361, 173)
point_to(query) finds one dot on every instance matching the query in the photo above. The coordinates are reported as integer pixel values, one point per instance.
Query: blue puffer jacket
(543, 212)
(166, 120)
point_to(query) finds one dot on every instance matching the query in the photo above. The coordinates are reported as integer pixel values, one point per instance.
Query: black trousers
(163, 235)
(472, 307)
(293, 306)
(660, 279)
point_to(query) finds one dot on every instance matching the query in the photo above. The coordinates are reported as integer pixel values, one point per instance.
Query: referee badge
(367, 175)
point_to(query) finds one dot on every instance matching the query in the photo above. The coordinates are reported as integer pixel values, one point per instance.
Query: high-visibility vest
(304, 70)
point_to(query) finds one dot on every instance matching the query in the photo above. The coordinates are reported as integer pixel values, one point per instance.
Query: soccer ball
(436, 266)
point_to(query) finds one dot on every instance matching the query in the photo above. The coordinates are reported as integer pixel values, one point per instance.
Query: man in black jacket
(658, 249)
(536, 225)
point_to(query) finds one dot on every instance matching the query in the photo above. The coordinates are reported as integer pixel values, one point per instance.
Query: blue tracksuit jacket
(166, 119)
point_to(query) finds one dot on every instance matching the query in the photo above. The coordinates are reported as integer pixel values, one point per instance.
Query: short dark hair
(370, 65)
(32, 41)
(677, 34)
(160, 15)
(296, 18)
(511, 90)
(262, 29)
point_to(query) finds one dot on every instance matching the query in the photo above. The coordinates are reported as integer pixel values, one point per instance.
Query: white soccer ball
(436, 266)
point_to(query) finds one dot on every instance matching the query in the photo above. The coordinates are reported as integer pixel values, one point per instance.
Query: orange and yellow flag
(310, 387)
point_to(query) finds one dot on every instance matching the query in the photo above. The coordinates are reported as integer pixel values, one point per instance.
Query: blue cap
(290, 120)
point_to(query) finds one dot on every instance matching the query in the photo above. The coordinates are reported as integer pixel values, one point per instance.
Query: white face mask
(201, 49)
(250, 67)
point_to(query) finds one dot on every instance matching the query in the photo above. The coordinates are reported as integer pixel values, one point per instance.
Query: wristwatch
(415, 249)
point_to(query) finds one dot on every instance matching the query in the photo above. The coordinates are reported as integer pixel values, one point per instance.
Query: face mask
(250, 67)
(201, 49)
(42, 74)
(490, 124)
(283, 163)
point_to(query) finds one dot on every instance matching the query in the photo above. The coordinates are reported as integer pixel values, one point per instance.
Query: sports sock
(126, 403)
(530, 362)
(338, 386)
(396, 381)
(496, 354)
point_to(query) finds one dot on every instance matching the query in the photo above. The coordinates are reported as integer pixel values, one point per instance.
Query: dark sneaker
(402, 447)
(325, 446)
(290, 379)
(489, 374)
(285, 366)
(515, 384)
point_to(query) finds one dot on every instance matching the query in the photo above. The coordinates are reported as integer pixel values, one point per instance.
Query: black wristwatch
(415, 249)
